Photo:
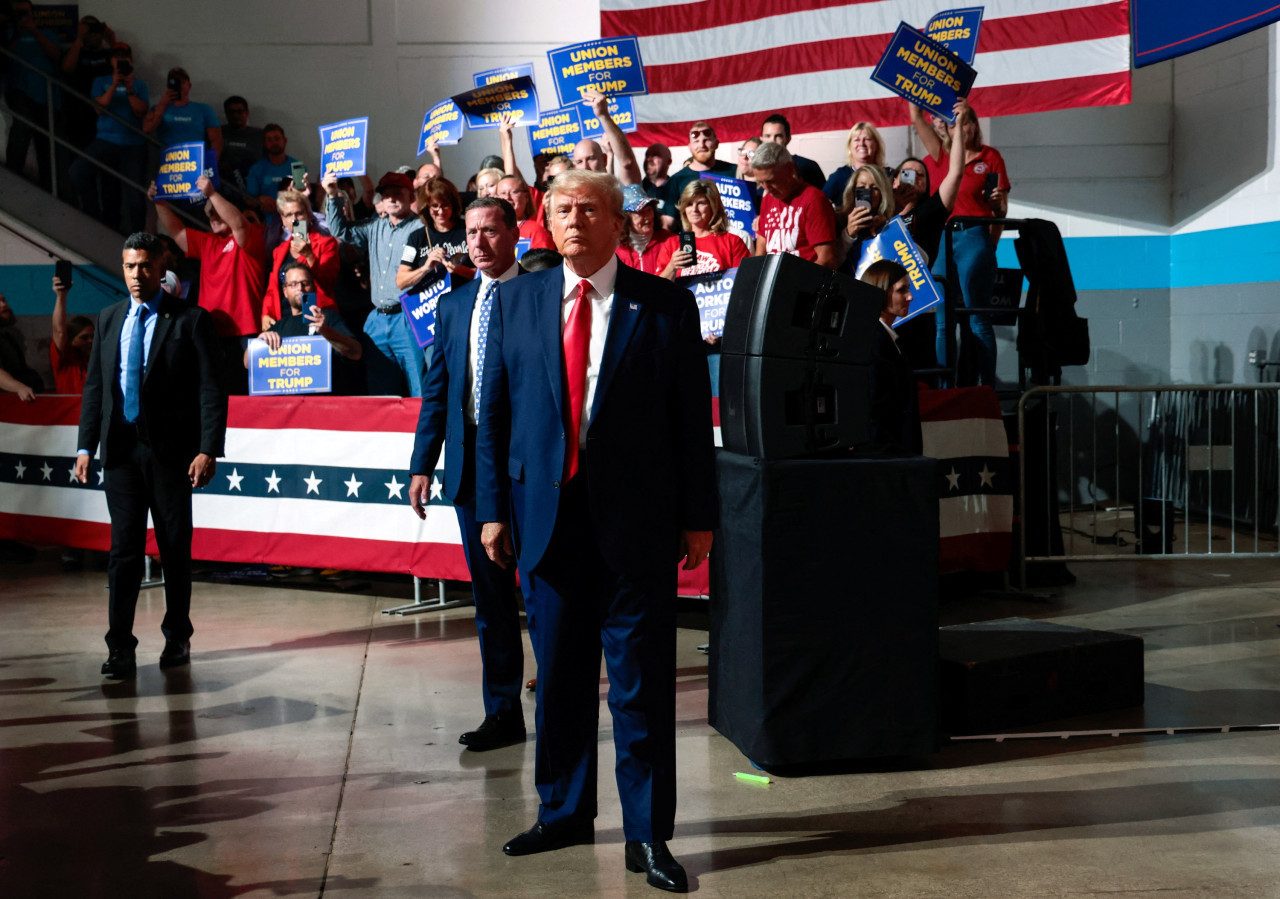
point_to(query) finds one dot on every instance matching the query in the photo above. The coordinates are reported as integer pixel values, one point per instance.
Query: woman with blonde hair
(716, 248)
(863, 215)
(864, 146)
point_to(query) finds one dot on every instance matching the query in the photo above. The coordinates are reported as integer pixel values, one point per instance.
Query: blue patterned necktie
(133, 371)
(486, 307)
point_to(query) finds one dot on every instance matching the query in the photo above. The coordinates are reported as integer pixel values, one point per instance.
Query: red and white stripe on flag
(734, 62)
(963, 429)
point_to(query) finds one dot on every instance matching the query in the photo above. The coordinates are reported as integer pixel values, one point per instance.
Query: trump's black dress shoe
(661, 870)
(496, 730)
(175, 653)
(543, 837)
(120, 663)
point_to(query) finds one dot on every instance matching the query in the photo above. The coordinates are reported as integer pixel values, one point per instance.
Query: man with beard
(702, 158)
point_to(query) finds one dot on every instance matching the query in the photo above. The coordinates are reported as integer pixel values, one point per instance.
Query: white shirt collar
(602, 280)
(503, 278)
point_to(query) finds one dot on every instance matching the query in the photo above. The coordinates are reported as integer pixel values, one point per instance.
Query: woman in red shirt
(319, 252)
(716, 247)
(644, 245)
(71, 343)
(513, 189)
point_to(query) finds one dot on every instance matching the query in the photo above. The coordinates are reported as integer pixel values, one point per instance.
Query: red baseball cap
(395, 179)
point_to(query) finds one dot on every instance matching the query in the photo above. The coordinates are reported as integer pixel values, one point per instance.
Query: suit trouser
(135, 482)
(497, 616)
(578, 606)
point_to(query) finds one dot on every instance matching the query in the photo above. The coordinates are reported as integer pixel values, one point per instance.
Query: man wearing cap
(395, 364)
(644, 244)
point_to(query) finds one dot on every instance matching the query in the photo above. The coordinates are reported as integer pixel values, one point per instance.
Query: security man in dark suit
(450, 393)
(155, 408)
(595, 470)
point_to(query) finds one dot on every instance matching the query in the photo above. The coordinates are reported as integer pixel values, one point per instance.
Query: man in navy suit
(595, 470)
(153, 402)
(453, 384)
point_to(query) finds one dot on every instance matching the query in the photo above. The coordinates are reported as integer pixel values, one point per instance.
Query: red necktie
(577, 351)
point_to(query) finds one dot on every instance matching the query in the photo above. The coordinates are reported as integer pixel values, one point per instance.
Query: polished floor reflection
(311, 749)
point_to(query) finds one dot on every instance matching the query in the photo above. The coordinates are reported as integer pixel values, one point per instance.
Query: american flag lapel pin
(634, 307)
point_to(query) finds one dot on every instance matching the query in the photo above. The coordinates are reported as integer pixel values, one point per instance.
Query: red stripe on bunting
(46, 409)
(988, 551)
(325, 413)
(437, 560)
(1015, 99)
(1014, 33)
(41, 529)
(959, 403)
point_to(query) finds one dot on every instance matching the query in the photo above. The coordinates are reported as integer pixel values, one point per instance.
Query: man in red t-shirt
(795, 217)
(69, 348)
(233, 271)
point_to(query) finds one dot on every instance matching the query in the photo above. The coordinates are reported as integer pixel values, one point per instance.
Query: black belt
(387, 310)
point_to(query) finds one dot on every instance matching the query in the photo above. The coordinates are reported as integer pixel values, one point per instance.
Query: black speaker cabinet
(783, 408)
(785, 307)
(824, 608)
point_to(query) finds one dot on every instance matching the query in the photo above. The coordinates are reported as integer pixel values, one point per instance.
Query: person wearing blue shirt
(119, 145)
(177, 119)
(26, 89)
(263, 180)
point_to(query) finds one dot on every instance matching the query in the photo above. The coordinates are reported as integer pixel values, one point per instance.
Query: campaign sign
(420, 310)
(60, 19)
(180, 166)
(484, 106)
(522, 246)
(556, 132)
(506, 73)
(610, 66)
(621, 109)
(738, 204)
(442, 124)
(957, 30)
(895, 243)
(343, 147)
(924, 71)
(301, 365)
(711, 292)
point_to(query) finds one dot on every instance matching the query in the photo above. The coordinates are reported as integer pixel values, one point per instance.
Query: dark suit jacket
(184, 408)
(649, 447)
(443, 419)
(895, 405)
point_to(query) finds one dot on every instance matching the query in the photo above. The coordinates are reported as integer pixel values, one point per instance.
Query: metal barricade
(1175, 472)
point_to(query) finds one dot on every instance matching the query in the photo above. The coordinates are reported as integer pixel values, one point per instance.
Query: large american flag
(734, 62)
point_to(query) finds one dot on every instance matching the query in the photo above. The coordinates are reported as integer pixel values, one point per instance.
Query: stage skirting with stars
(323, 482)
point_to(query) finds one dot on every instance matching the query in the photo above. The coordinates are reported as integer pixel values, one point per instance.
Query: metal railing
(1174, 472)
(48, 129)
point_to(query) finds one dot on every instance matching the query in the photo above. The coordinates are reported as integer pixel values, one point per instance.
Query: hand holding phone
(299, 176)
(62, 270)
(991, 182)
(688, 243)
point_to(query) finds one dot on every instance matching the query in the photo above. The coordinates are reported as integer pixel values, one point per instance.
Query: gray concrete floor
(311, 749)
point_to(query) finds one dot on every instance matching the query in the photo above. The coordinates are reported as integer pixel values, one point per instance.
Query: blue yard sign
(180, 167)
(484, 106)
(895, 243)
(344, 147)
(621, 109)
(738, 204)
(610, 66)
(711, 292)
(556, 132)
(924, 72)
(420, 309)
(301, 365)
(442, 124)
(957, 30)
(506, 73)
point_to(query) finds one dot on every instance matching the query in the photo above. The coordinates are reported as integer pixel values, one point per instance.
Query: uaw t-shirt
(418, 246)
(715, 253)
(798, 225)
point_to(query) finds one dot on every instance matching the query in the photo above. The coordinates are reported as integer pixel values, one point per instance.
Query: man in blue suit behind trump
(453, 384)
(595, 471)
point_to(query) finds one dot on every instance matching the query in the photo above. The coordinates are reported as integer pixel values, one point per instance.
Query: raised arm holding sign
(484, 106)
(923, 71)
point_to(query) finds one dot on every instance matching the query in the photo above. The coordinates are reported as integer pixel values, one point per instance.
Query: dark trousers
(99, 192)
(136, 482)
(22, 136)
(578, 606)
(497, 614)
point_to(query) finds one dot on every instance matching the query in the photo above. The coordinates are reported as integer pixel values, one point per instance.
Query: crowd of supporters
(271, 235)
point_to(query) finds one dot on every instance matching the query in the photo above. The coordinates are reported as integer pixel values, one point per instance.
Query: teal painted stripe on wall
(29, 289)
(1108, 263)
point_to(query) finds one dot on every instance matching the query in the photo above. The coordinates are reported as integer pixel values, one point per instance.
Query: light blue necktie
(133, 372)
(486, 307)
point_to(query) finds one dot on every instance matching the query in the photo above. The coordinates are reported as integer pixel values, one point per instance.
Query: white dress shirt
(602, 287)
(474, 334)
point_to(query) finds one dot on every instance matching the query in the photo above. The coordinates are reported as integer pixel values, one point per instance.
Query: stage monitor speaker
(786, 408)
(785, 307)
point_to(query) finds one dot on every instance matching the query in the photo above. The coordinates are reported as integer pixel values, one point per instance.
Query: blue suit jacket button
(555, 484)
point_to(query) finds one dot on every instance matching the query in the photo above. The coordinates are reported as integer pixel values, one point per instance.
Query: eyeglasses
(747, 154)
(705, 132)
(299, 283)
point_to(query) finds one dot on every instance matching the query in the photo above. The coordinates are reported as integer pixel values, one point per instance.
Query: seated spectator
(895, 408)
(440, 246)
(862, 219)
(16, 376)
(794, 217)
(232, 272)
(513, 189)
(70, 344)
(26, 91)
(644, 245)
(703, 144)
(863, 147)
(716, 247)
(87, 59)
(537, 260)
(319, 252)
(776, 128)
(265, 175)
(119, 146)
(326, 322)
(241, 143)
(177, 119)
